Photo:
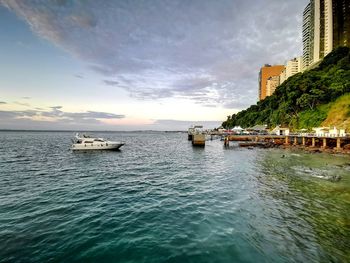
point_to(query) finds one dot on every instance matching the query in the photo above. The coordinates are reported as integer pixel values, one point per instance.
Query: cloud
(111, 82)
(26, 98)
(56, 107)
(203, 50)
(8, 114)
(79, 76)
(22, 103)
(3, 102)
(56, 116)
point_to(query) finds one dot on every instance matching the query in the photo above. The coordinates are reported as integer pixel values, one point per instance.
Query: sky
(138, 65)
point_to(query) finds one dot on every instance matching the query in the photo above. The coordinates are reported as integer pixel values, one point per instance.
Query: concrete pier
(324, 143)
(295, 141)
(198, 140)
(338, 144)
(309, 141)
(313, 141)
(286, 140)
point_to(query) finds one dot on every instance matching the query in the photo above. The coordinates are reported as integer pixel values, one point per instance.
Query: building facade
(341, 23)
(271, 85)
(293, 67)
(326, 26)
(265, 73)
(283, 76)
(308, 35)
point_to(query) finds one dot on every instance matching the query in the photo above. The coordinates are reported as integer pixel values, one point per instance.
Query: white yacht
(84, 142)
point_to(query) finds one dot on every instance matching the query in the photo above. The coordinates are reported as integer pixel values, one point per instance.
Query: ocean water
(159, 199)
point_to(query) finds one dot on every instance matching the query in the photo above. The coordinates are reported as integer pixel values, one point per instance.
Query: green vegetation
(339, 113)
(306, 99)
(313, 118)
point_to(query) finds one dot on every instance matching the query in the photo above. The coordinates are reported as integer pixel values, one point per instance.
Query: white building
(329, 132)
(328, 27)
(293, 66)
(280, 131)
(308, 35)
(323, 29)
(317, 32)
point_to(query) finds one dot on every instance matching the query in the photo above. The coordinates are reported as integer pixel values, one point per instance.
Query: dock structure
(196, 135)
(307, 141)
(198, 139)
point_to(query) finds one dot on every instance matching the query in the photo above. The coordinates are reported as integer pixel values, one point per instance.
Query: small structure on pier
(328, 132)
(192, 130)
(196, 134)
(237, 130)
(280, 131)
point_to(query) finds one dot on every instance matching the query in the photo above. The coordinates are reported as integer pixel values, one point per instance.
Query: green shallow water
(160, 200)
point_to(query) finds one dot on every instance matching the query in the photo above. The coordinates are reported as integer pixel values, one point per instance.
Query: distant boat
(85, 142)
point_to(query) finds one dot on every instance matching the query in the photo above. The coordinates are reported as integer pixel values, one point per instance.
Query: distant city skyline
(132, 65)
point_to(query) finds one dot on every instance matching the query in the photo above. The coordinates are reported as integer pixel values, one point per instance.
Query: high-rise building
(293, 67)
(318, 30)
(308, 35)
(328, 44)
(341, 23)
(265, 73)
(326, 26)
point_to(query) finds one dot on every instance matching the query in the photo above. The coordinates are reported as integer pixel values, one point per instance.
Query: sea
(159, 199)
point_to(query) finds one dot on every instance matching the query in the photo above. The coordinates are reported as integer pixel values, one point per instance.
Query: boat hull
(88, 147)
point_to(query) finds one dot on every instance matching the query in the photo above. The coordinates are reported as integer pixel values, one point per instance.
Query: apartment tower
(308, 34)
(341, 23)
(266, 72)
(326, 26)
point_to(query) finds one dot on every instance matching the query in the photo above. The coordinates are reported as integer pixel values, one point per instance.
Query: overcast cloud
(208, 51)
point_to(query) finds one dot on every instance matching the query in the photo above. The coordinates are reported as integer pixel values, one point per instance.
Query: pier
(309, 142)
(196, 135)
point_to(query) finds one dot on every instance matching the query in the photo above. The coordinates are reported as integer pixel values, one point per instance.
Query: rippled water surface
(161, 200)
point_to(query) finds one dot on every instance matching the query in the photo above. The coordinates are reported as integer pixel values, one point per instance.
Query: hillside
(339, 113)
(319, 96)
